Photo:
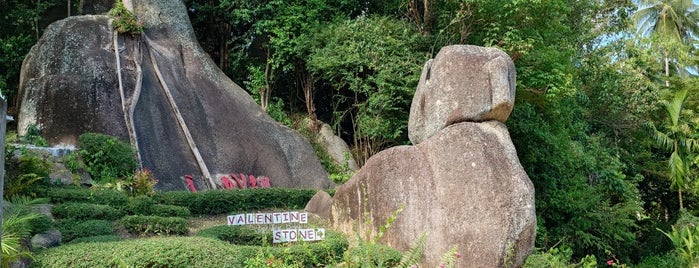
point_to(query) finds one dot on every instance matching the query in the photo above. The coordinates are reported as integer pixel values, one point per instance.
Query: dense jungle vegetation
(604, 124)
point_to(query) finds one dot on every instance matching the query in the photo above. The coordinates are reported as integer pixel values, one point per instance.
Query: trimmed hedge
(154, 225)
(85, 211)
(225, 201)
(237, 235)
(144, 205)
(187, 252)
(97, 239)
(108, 197)
(72, 229)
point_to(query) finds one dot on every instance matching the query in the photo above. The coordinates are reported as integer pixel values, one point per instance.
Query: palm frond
(415, 253)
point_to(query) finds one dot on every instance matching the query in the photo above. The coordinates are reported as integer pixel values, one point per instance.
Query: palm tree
(676, 139)
(670, 20)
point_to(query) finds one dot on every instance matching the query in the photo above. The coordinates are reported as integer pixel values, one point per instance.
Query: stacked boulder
(461, 184)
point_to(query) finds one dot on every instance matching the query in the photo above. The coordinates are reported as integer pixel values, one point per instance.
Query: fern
(415, 253)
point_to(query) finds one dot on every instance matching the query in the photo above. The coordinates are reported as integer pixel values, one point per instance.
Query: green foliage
(26, 175)
(372, 255)
(224, 201)
(71, 229)
(187, 252)
(19, 222)
(106, 157)
(558, 258)
(664, 261)
(154, 225)
(96, 239)
(125, 21)
(142, 182)
(685, 238)
(144, 205)
(375, 59)
(85, 211)
(33, 136)
(414, 254)
(238, 235)
(111, 198)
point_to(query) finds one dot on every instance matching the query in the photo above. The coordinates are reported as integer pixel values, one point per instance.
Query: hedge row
(108, 197)
(187, 252)
(144, 205)
(154, 225)
(85, 211)
(226, 201)
(237, 235)
(72, 229)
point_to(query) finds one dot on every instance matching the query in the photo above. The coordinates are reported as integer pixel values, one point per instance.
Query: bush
(108, 197)
(666, 261)
(144, 205)
(106, 158)
(154, 225)
(85, 211)
(237, 235)
(225, 201)
(373, 255)
(72, 229)
(188, 252)
(142, 182)
(124, 20)
(170, 211)
(32, 164)
(41, 223)
(97, 239)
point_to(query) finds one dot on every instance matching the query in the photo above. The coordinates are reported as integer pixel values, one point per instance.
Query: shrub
(96, 239)
(106, 158)
(188, 252)
(41, 223)
(85, 211)
(154, 225)
(170, 211)
(33, 164)
(108, 197)
(125, 21)
(372, 255)
(72, 229)
(237, 235)
(144, 205)
(225, 201)
(142, 183)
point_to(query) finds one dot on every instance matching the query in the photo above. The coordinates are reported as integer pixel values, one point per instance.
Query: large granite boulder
(464, 186)
(336, 147)
(462, 83)
(160, 91)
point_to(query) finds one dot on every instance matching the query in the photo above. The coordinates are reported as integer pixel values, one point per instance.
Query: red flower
(610, 262)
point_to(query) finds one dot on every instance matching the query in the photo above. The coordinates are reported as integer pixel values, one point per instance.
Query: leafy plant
(125, 21)
(106, 158)
(33, 136)
(685, 237)
(85, 211)
(142, 182)
(154, 225)
(71, 229)
(18, 215)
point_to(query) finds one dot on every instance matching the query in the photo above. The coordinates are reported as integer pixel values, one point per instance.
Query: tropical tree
(676, 137)
(670, 20)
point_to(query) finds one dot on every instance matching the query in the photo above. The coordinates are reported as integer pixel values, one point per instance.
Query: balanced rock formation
(462, 186)
(160, 91)
(462, 83)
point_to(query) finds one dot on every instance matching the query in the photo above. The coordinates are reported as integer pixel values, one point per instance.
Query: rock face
(462, 83)
(164, 95)
(336, 147)
(320, 204)
(462, 184)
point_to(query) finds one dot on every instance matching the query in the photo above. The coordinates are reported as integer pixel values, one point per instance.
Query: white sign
(268, 218)
(294, 235)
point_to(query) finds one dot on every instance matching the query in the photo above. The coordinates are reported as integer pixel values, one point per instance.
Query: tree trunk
(68, 8)
(307, 85)
(266, 90)
(667, 70)
(679, 192)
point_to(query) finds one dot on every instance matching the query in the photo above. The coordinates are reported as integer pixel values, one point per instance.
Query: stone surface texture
(69, 85)
(462, 83)
(464, 186)
(337, 147)
(320, 204)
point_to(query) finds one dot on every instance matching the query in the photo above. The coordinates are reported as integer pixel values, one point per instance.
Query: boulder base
(463, 186)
